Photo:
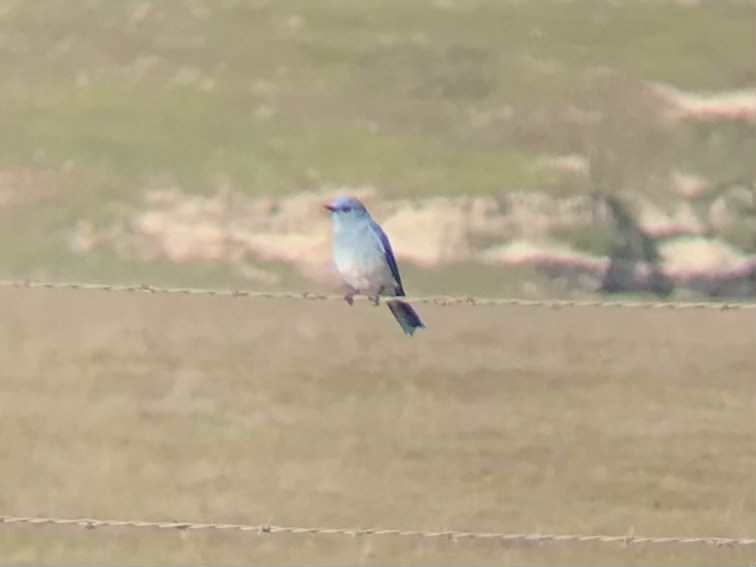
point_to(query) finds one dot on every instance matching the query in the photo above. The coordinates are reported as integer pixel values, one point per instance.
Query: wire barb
(440, 300)
(269, 529)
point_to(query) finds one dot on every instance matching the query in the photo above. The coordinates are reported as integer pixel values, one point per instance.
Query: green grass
(415, 98)
(493, 419)
(92, 86)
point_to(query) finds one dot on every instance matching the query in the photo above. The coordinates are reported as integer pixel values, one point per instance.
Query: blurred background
(509, 148)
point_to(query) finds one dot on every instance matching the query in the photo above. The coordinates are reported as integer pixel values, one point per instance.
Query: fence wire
(268, 529)
(436, 300)
(452, 535)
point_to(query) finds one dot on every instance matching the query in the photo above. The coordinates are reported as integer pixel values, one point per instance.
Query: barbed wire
(263, 529)
(436, 300)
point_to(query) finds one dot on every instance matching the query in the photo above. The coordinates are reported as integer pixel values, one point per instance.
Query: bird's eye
(346, 209)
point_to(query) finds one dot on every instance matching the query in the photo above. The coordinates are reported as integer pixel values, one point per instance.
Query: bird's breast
(361, 262)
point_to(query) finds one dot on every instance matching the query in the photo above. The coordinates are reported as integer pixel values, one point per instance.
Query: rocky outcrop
(592, 242)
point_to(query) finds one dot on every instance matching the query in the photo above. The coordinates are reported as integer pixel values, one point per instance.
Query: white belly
(364, 276)
(360, 261)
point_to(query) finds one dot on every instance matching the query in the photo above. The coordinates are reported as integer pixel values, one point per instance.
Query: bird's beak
(329, 207)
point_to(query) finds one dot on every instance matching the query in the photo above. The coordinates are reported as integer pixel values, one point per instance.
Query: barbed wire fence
(451, 535)
(442, 300)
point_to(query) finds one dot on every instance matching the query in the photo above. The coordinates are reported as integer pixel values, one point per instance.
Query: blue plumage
(389, 255)
(363, 255)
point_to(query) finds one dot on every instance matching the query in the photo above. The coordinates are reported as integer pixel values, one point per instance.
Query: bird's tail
(406, 316)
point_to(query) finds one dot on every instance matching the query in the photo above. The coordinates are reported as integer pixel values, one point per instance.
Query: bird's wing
(388, 253)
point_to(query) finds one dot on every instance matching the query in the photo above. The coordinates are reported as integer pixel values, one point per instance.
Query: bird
(363, 256)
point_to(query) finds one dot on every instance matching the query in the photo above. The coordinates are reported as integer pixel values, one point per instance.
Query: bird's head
(347, 208)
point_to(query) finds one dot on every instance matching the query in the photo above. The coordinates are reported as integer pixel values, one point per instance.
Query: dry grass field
(311, 413)
(295, 413)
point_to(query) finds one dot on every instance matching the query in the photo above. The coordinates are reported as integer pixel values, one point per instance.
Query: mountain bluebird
(362, 254)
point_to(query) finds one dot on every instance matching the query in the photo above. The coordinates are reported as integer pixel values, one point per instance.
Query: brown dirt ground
(307, 413)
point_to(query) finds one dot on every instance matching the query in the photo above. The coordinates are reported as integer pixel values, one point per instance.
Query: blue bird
(362, 254)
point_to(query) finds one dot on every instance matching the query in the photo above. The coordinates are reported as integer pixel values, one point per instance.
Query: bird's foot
(376, 299)
(350, 293)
